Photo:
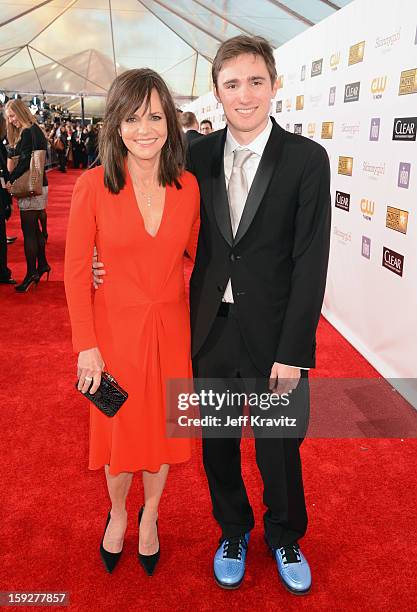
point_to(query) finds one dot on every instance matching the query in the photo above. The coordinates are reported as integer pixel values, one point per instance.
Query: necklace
(148, 197)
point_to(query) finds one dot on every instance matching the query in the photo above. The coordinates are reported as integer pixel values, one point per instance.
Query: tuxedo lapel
(219, 193)
(267, 166)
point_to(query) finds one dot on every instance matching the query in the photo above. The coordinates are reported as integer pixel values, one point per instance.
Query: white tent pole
(36, 72)
(39, 33)
(194, 75)
(6, 52)
(294, 14)
(24, 13)
(112, 39)
(172, 30)
(82, 110)
(70, 5)
(67, 68)
(12, 55)
(177, 64)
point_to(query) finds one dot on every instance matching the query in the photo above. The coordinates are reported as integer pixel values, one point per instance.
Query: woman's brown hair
(127, 93)
(24, 116)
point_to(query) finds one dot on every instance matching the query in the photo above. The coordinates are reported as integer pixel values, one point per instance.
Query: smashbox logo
(352, 91)
(278, 106)
(298, 128)
(405, 129)
(342, 200)
(393, 261)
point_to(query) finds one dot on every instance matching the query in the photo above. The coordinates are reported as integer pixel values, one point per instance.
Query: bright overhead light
(59, 74)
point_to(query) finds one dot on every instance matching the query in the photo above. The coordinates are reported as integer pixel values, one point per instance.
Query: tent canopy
(76, 47)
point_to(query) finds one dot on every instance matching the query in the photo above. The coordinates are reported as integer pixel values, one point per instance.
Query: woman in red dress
(140, 209)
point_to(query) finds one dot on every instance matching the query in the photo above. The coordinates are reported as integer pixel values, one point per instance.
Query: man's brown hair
(188, 120)
(127, 93)
(238, 45)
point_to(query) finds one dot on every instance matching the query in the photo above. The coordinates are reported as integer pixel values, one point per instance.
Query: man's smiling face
(244, 88)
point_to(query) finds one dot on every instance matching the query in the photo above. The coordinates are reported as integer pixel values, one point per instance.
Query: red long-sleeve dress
(138, 318)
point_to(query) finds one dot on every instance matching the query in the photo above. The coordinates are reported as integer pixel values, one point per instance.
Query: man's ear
(216, 95)
(274, 88)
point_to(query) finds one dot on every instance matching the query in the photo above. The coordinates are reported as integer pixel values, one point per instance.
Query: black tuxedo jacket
(277, 261)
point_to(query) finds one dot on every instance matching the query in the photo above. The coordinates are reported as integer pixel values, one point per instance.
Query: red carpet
(361, 493)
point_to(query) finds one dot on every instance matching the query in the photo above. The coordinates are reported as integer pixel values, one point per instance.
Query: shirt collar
(257, 145)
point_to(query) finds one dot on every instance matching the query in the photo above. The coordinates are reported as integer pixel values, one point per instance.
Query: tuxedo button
(232, 257)
(240, 293)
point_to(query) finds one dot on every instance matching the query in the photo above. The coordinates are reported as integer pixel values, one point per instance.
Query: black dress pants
(224, 355)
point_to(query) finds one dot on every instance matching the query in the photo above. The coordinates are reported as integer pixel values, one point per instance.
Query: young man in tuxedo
(256, 294)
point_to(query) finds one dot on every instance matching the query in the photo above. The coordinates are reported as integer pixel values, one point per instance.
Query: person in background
(91, 144)
(78, 147)
(5, 208)
(189, 125)
(206, 127)
(25, 136)
(60, 144)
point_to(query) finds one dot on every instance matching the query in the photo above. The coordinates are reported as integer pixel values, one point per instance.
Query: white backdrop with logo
(350, 83)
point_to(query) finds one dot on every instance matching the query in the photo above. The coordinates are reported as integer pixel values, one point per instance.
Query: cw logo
(367, 207)
(378, 84)
(335, 60)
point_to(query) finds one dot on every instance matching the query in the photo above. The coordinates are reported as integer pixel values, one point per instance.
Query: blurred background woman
(139, 208)
(25, 136)
(5, 208)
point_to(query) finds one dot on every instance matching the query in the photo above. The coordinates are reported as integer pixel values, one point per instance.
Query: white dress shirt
(257, 147)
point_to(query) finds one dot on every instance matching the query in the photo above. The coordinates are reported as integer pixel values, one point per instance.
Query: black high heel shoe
(110, 560)
(46, 270)
(27, 283)
(148, 562)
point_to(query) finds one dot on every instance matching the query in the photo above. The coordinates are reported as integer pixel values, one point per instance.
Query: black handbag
(109, 397)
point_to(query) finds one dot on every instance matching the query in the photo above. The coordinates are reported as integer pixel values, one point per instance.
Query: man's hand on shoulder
(98, 271)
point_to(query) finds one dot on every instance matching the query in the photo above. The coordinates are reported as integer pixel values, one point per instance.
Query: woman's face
(145, 132)
(11, 118)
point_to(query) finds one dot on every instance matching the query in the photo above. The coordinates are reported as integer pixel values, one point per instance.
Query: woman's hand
(90, 367)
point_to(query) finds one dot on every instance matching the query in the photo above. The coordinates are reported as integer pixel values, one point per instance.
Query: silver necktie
(238, 187)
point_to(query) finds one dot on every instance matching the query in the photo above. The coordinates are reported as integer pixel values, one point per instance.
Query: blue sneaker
(229, 561)
(293, 568)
